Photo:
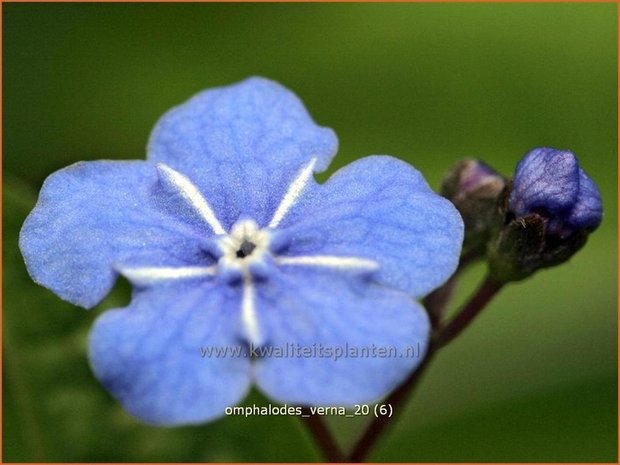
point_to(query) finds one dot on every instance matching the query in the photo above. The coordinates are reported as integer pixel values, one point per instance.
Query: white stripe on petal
(330, 261)
(248, 312)
(193, 196)
(151, 274)
(293, 193)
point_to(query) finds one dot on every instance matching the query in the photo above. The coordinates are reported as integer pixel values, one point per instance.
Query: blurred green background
(534, 379)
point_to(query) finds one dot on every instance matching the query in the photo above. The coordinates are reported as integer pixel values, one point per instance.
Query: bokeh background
(534, 379)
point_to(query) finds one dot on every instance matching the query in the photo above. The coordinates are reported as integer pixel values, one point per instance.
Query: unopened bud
(475, 189)
(550, 210)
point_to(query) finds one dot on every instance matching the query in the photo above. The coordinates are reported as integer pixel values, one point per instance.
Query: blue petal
(382, 209)
(242, 145)
(546, 179)
(588, 211)
(321, 310)
(92, 216)
(149, 357)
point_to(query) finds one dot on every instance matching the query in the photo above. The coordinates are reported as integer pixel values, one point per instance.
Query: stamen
(193, 196)
(293, 193)
(245, 249)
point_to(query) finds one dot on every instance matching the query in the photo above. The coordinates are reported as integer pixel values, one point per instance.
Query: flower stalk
(322, 436)
(442, 335)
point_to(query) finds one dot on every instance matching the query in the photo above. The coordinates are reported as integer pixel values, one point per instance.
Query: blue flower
(229, 242)
(550, 183)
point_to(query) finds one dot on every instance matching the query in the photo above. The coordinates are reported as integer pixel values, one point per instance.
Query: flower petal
(546, 179)
(588, 211)
(313, 314)
(91, 216)
(378, 208)
(150, 354)
(242, 145)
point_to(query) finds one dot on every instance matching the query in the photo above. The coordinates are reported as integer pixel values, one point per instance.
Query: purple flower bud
(551, 209)
(550, 183)
(476, 174)
(475, 189)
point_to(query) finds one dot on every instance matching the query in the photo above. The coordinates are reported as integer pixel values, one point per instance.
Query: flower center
(245, 244)
(245, 249)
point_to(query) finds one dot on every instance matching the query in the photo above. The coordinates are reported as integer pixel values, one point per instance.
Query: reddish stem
(322, 436)
(442, 336)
